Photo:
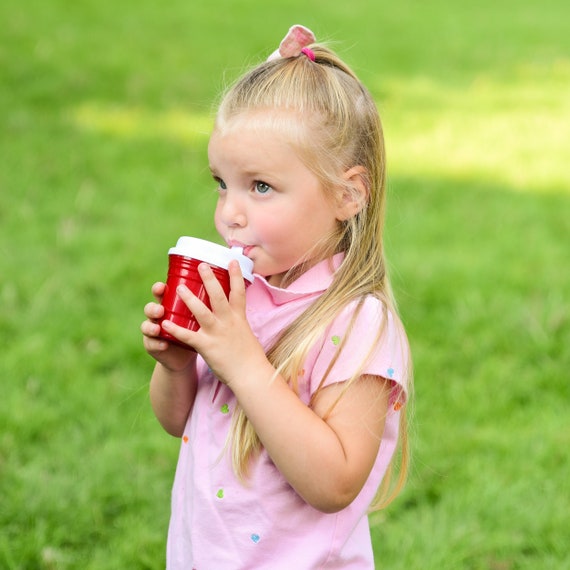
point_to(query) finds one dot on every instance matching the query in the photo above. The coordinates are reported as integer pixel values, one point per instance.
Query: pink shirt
(219, 524)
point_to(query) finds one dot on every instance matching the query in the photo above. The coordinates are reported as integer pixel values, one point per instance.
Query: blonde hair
(332, 121)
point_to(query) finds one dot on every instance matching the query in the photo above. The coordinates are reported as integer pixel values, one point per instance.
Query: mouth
(246, 248)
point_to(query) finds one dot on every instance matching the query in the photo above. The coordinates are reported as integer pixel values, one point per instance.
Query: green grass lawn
(104, 116)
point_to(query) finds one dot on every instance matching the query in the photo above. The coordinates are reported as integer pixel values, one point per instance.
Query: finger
(150, 329)
(180, 333)
(216, 293)
(153, 311)
(155, 345)
(237, 283)
(201, 312)
(151, 342)
(158, 290)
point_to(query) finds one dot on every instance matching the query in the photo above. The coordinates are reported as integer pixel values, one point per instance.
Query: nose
(231, 211)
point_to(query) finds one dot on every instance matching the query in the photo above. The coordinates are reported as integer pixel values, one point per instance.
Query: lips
(246, 248)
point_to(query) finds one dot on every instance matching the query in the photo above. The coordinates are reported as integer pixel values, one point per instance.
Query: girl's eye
(262, 187)
(221, 184)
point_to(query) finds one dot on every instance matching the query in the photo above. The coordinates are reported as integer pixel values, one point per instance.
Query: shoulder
(369, 321)
(365, 337)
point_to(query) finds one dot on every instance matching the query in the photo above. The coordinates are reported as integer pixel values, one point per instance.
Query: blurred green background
(105, 109)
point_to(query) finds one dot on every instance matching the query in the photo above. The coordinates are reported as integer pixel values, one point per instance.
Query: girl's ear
(354, 193)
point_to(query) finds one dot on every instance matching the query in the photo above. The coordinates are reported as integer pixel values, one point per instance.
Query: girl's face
(269, 202)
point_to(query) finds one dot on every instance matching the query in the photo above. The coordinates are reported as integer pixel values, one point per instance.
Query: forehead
(295, 132)
(250, 147)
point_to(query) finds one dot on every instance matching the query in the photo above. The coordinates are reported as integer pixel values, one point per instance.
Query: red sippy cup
(183, 261)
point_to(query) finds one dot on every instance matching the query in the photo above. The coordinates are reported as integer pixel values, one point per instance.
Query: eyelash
(221, 184)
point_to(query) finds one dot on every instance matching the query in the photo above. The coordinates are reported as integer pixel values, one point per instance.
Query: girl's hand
(172, 357)
(225, 339)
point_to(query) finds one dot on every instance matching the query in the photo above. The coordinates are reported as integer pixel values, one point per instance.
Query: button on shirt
(219, 523)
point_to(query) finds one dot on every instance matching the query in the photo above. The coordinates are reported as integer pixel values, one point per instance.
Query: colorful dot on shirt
(220, 494)
(335, 340)
(224, 409)
(185, 439)
(256, 538)
(390, 372)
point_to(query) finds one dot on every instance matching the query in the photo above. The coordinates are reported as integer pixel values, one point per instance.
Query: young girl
(290, 410)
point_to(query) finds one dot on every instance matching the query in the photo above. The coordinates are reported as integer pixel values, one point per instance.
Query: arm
(325, 459)
(172, 395)
(173, 383)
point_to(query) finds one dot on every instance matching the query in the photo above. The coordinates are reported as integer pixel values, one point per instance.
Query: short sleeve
(366, 338)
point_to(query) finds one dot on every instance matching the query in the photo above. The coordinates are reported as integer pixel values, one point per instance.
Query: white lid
(213, 253)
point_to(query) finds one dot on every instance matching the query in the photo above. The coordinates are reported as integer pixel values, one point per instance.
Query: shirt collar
(315, 280)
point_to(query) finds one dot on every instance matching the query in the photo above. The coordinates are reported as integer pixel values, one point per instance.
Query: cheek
(268, 228)
(217, 221)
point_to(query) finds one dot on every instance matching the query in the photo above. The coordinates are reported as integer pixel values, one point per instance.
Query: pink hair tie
(295, 43)
(309, 53)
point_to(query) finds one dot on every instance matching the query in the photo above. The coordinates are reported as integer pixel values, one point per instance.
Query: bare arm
(327, 461)
(173, 383)
(172, 396)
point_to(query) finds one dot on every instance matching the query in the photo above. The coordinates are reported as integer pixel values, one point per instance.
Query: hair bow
(294, 43)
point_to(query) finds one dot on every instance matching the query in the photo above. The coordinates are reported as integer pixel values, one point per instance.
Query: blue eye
(221, 183)
(262, 187)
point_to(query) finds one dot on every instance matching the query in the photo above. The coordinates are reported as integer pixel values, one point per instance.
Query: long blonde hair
(333, 122)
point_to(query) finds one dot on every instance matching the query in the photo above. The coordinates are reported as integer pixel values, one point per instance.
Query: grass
(104, 115)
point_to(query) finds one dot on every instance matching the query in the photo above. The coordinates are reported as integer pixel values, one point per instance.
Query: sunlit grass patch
(179, 125)
(512, 131)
